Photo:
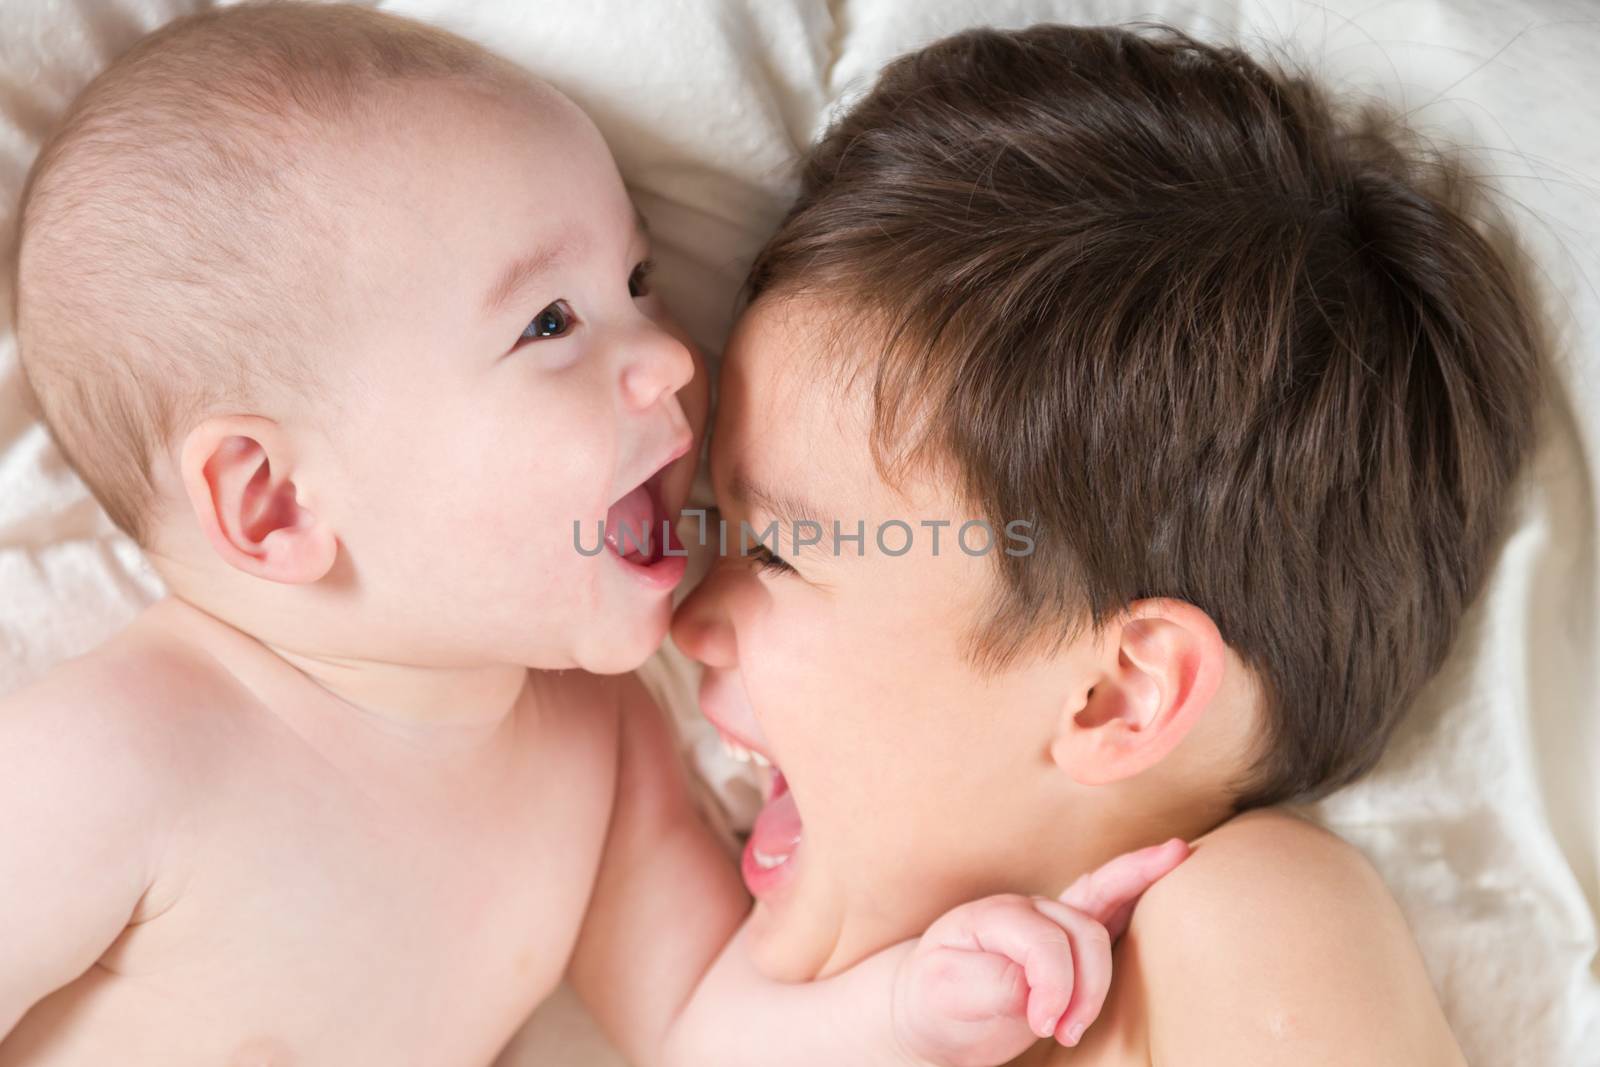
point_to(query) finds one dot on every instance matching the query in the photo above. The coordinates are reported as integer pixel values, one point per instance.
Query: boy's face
(504, 372)
(912, 776)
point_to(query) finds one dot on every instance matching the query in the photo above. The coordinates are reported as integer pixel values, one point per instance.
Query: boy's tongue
(771, 852)
(769, 855)
(631, 524)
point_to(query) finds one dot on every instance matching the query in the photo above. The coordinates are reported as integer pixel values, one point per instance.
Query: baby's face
(501, 371)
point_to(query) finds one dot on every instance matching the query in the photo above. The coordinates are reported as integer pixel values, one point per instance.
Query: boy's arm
(660, 966)
(1277, 945)
(78, 805)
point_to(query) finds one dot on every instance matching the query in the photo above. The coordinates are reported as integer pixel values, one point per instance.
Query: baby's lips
(628, 523)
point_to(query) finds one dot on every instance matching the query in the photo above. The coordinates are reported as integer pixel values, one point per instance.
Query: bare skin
(410, 880)
(279, 877)
(1276, 943)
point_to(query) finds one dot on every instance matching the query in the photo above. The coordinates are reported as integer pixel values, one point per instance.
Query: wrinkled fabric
(1482, 817)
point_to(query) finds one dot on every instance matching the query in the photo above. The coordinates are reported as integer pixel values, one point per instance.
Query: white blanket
(1483, 817)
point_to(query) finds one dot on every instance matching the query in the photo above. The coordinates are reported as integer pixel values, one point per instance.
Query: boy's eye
(553, 321)
(639, 280)
(767, 561)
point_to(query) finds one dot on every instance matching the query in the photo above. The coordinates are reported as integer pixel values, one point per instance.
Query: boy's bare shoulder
(1277, 942)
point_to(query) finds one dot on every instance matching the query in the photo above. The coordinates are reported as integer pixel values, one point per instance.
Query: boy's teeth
(735, 751)
(766, 862)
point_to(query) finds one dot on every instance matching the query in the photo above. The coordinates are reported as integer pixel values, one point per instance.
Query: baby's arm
(76, 841)
(662, 969)
(666, 900)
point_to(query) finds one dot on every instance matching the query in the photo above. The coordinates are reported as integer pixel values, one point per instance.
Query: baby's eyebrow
(521, 273)
(526, 269)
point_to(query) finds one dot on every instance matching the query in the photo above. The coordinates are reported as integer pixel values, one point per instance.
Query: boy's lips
(770, 860)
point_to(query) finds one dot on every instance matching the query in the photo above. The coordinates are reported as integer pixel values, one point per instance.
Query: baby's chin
(623, 645)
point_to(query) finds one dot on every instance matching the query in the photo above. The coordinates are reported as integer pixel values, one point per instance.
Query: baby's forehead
(449, 157)
(466, 206)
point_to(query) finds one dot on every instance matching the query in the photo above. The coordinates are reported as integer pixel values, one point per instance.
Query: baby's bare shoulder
(96, 766)
(115, 722)
(1277, 942)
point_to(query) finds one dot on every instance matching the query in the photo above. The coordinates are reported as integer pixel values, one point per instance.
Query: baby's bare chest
(319, 918)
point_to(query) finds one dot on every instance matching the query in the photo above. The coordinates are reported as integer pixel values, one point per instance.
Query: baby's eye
(553, 321)
(639, 280)
(769, 561)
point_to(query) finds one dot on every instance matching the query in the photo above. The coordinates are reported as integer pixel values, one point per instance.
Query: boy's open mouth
(770, 855)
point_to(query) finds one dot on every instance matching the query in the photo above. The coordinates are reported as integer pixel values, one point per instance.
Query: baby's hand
(990, 978)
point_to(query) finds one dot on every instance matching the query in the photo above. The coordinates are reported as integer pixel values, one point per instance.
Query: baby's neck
(441, 707)
(413, 699)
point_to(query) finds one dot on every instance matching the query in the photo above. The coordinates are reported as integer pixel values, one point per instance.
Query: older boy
(1259, 384)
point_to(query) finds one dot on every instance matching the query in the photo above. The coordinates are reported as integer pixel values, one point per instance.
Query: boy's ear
(238, 473)
(1159, 667)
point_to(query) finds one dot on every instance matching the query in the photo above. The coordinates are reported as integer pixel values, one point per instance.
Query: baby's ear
(238, 473)
(1157, 669)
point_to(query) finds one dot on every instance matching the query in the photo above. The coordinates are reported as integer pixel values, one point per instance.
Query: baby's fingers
(1108, 893)
(969, 986)
(1014, 928)
(1091, 963)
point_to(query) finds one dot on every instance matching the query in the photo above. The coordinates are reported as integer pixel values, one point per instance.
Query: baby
(350, 325)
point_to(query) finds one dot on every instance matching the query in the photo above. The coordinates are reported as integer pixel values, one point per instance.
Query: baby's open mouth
(634, 524)
(639, 531)
(770, 853)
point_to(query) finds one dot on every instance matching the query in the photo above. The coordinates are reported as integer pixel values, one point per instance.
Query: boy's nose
(700, 627)
(658, 366)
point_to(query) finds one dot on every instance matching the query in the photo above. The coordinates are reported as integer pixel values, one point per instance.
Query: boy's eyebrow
(786, 507)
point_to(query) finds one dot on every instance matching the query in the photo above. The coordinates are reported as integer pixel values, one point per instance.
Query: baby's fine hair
(1218, 337)
(178, 229)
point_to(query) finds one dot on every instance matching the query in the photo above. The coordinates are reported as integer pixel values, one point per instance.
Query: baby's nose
(701, 628)
(659, 366)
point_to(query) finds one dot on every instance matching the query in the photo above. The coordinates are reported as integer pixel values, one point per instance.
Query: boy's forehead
(784, 423)
(800, 360)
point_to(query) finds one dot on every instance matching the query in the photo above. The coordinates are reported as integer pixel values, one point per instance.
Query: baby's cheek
(680, 479)
(696, 396)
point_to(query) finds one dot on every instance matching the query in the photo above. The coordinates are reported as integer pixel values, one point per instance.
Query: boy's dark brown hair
(1218, 338)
